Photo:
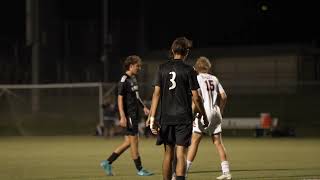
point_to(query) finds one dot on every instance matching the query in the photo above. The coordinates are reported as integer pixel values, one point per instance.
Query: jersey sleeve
(157, 79)
(193, 81)
(122, 86)
(220, 88)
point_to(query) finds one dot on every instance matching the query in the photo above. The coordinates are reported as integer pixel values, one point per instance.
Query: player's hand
(204, 120)
(154, 126)
(123, 121)
(146, 111)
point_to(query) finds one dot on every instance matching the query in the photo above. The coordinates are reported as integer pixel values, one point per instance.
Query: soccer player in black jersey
(175, 87)
(128, 105)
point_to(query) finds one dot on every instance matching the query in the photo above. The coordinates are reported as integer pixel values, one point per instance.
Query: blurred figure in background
(99, 129)
(128, 105)
(109, 116)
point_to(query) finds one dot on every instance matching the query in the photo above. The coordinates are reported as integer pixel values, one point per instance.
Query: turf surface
(78, 158)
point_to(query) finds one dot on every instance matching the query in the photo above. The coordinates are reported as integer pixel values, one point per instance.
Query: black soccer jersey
(129, 89)
(176, 80)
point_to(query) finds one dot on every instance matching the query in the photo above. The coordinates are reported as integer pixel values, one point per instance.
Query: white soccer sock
(189, 163)
(225, 167)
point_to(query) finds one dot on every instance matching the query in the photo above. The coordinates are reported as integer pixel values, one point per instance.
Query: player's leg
(195, 140)
(106, 164)
(181, 162)
(174, 165)
(167, 136)
(134, 146)
(134, 149)
(183, 135)
(193, 149)
(167, 161)
(123, 147)
(217, 140)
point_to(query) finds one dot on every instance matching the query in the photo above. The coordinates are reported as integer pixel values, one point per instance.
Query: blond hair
(202, 64)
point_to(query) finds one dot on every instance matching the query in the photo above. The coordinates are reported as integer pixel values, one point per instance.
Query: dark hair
(181, 46)
(130, 60)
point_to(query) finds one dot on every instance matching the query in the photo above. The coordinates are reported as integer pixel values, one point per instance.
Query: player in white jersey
(211, 89)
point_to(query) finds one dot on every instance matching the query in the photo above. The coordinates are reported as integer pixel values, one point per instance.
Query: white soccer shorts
(214, 118)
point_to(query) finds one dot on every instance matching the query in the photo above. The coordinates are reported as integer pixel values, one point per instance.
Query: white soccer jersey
(210, 88)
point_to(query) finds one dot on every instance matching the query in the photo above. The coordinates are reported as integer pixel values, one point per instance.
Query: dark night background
(71, 32)
(266, 52)
(61, 61)
(209, 23)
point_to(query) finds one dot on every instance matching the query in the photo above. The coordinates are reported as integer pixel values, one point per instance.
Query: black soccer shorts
(132, 127)
(175, 135)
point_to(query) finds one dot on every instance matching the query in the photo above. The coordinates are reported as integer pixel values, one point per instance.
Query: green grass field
(78, 158)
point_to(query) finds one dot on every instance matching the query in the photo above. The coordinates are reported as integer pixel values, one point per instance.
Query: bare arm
(199, 105)
(223, 101)
(155, 101)
(153, 109)
(123, 119)
(194, 109)
(145, 109)
(140, 100)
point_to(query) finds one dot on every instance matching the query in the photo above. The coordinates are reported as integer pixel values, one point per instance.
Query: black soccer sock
(137, 162)
(113, 157)
(180, 178)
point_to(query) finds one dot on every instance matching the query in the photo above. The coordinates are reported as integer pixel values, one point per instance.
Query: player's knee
(169, 154)
(180, 156)
(195, 141)
(217, 142)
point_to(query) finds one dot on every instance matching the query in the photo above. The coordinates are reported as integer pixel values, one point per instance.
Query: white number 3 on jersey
(174, 84)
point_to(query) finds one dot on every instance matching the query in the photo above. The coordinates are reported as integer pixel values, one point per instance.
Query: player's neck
(178, 57)
(203, 72)
(129, 73)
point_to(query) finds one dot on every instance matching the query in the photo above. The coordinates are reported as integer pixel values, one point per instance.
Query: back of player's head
(131, 60)
(181, 46)
(202, 64)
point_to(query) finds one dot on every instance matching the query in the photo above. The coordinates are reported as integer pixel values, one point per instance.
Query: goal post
(52, 109)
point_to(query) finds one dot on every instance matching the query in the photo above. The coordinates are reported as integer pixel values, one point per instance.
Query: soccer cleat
(106, 167)
(225, 176)
(144, 172)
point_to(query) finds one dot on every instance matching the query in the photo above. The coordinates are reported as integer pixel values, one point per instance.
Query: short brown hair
(130, 60)
(202, 64)
(181, 46)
